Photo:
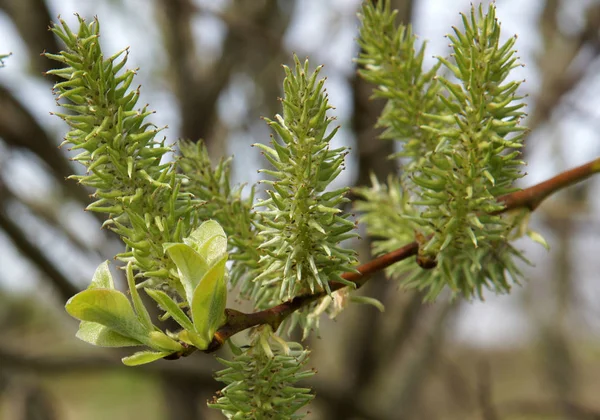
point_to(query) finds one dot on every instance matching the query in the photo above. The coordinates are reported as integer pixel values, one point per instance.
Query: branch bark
(532, 197)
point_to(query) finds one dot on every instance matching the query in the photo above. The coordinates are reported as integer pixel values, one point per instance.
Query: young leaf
(197, 340)
(213, 248)
(210, 297)
(209, 240)
(109, 308)
(140, 309)
(206, 231)
(171, 307)
(143, 357)
(225, 204)
(99, 335)
(191, 266)
(102, 278)
(161, 341)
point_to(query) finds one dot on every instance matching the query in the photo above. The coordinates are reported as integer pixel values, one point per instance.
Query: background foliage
(418, 357)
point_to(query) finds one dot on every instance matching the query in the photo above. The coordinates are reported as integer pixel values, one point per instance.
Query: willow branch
(529, 198)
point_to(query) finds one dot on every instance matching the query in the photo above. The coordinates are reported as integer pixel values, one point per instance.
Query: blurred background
(210, 69)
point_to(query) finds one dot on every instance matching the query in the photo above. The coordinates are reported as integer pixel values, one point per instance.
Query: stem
(532, 197)
(528, 198)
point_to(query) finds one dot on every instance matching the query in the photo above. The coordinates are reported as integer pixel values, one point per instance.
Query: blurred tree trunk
(198, 86)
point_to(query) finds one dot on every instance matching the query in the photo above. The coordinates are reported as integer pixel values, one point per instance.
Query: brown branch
(532, 197)
(528, 198)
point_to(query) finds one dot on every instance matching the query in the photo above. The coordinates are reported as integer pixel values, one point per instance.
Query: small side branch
(533, 196)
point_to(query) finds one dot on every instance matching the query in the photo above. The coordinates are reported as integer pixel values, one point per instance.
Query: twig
(532, 197)
(528, 198)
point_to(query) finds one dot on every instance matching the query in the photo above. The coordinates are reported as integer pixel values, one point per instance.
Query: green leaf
(192, 338)
(213, 249)
(209, 240)
(161, 341)
(171, 307)
(102, 278)
(99, 335)
(140, 309)
(143, 357)
(206, 231)
(210, 297)
(109, 308)
(200, 342)
(191, 266)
